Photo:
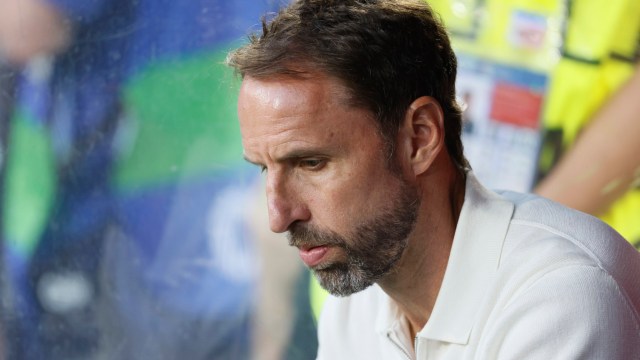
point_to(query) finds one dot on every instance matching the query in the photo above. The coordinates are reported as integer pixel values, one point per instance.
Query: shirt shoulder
(569, 312)
(552, 253)
(543, 233)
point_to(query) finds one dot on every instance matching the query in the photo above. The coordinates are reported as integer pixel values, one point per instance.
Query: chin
(340, 280)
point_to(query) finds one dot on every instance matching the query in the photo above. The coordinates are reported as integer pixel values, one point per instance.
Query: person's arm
(605, 160)
(29, 28)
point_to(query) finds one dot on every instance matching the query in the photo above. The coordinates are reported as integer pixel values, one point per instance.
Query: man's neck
(415, 284)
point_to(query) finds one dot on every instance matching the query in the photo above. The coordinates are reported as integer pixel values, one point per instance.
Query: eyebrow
(295, 154)
(251, 161)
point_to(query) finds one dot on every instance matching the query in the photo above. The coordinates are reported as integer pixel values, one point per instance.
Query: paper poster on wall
(502, 109)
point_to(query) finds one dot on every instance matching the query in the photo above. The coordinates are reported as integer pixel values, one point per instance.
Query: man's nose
(284, 204)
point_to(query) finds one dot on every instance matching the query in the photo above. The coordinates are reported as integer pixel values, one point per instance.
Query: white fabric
(526, 279)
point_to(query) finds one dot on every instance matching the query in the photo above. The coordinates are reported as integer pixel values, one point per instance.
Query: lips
(312, 256)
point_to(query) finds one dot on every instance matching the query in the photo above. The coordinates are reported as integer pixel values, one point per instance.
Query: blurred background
(130, 226)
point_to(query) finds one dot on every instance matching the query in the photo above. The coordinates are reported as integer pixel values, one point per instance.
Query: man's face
(328, 181)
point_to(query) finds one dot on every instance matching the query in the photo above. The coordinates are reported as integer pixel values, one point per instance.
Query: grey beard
(371, 253)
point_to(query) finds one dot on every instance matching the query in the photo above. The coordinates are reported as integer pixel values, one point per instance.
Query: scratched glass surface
(131, 227)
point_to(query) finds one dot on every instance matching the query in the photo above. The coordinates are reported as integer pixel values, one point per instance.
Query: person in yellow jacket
(592, 118)
(600, 174)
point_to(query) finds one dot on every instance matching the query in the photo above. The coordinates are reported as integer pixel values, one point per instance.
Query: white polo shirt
(526, 279)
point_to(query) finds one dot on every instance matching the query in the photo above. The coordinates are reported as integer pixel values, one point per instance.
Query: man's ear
(422, 133)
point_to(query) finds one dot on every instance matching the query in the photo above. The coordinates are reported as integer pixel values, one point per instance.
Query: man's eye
(312, 164)
(263, 169)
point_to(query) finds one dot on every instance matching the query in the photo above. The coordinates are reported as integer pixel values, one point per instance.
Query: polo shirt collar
(474, 259)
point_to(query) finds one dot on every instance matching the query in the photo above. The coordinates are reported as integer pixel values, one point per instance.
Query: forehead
(286, 92)
(282, 113)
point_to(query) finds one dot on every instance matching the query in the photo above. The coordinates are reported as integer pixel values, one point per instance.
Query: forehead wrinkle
(283, 145)
(295, 148)
(286, 126)
(336, 91)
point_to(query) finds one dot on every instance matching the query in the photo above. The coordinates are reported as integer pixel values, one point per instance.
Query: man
(349, 108)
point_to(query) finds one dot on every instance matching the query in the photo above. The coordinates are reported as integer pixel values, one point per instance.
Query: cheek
(337, 205)
(334, 204)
